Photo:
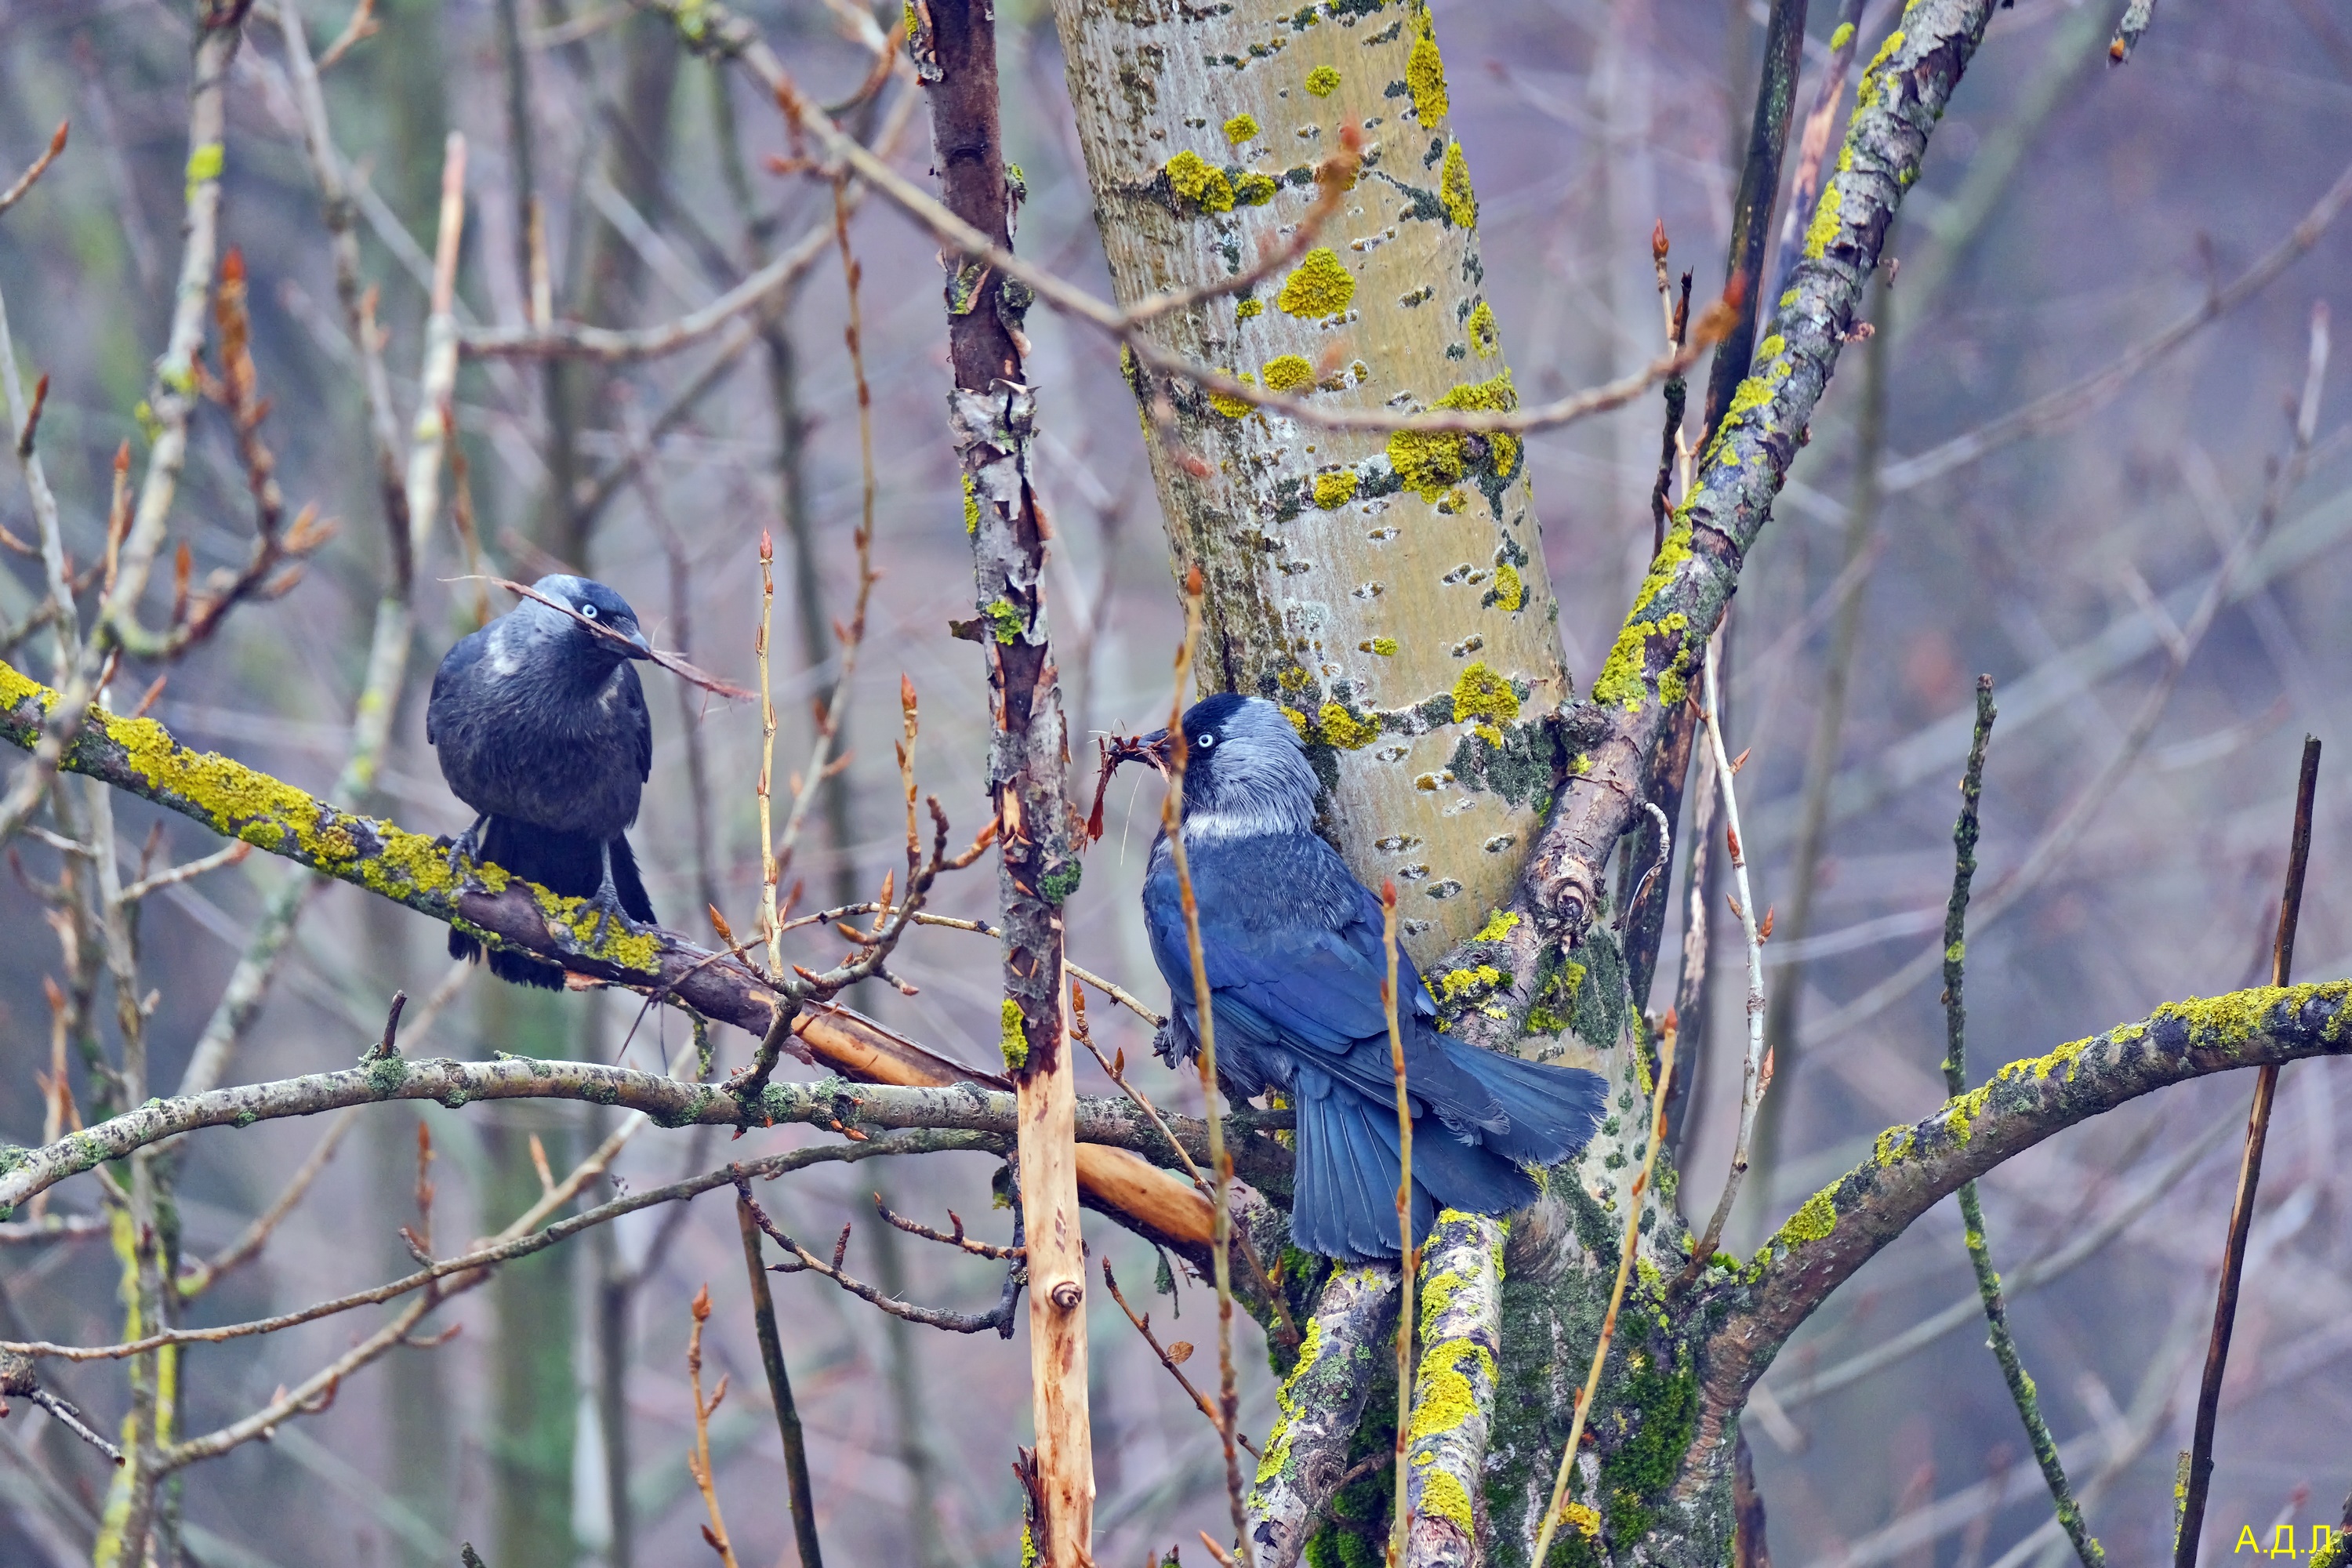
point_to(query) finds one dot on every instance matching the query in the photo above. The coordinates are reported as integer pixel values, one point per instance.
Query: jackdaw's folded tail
(1553, 1109)
(1344, 1202)
(570, 864)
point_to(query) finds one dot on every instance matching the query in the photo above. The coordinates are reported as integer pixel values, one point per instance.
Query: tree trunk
(1390, 591)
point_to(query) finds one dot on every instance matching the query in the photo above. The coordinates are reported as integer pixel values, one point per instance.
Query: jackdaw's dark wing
(1288, 970)
(455, 665)
(633, 708)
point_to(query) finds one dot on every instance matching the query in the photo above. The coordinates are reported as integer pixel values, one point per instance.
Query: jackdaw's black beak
(1157, 748)
(641, 649)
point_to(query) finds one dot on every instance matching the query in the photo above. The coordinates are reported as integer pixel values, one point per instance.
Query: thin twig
(1173, 1357)
(798, 1494)
(40, 165)
(2051, 849)
(1956, 1083)
(200, 1278)
(1555, 1512)
(1204, 1029)
(1408, 1263)
(2250, 1175)
(697, 1459)
(956, 1239)
(1755, 1080)
(1287, 1324)
(804, 1261)
(522, 1244)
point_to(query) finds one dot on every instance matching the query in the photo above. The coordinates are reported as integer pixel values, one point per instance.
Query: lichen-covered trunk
(1389, 590)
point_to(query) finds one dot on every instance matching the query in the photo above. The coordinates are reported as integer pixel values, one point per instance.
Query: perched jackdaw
(541, 728)
(1296, 960)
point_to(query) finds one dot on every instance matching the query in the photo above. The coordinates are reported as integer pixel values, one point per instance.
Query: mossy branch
(1841, 1227)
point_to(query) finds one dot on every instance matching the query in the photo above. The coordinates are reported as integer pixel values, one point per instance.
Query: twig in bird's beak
(633, 647)
(1155, 748)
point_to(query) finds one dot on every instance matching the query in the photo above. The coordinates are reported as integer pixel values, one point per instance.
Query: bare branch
(804, 1261)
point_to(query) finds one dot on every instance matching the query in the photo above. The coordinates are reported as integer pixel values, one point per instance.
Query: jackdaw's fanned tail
(1553, 1110)
(565, 863)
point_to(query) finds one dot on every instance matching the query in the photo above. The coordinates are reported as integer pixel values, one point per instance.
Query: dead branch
(997, 1318)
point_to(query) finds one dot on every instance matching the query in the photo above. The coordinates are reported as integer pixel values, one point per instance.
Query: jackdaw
(1295, 959)
(541, 728)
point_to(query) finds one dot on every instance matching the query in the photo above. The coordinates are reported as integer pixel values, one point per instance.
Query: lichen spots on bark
(1319, 286)
(1424, 73)
(1453, 189)
(1371, 582)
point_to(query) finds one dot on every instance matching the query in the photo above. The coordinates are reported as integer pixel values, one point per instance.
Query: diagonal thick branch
(1913, 1168)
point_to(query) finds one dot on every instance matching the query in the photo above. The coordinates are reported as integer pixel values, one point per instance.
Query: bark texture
(1321, 1401)
(1454, 1391)
(993, 414)
(1390, 591)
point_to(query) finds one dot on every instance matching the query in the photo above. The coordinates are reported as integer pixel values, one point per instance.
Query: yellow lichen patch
(1299, 721)
(1323, 81)
(1319, 286)
(1234, 407)
(1335, 489)
(2042, 1066)
(1248, 307)
(1453, 189)
(1012, 1035)
(1500, 925)
(1480, 693)
(1841, 36)
(1444, 1496)
(1458, 983)
(1771, 347)
(234, 798)
(1510, 588)
(1384, 647)
(1288, 373)
(1623, 678)
(1960, 1115)
(1893, 1144)
(1585, 1521)
(1816, 1220)
(1485, 341)
(1430, 462)
(971, 507)
(1241, 127)
(1826, 219)
(620, 946)
(2234, 1019)
(1344, 729)
(1442, 1397)
(1192, 177)
(1424, 76)
(1253, 190)
(1286, 1401)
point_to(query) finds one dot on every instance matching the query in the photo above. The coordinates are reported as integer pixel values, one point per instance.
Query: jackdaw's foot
(606, 902)
(467, 845)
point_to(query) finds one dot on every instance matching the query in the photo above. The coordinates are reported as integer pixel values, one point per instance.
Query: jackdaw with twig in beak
(1296, 960)
(541, 728)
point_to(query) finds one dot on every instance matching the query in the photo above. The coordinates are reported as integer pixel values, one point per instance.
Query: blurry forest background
(2068, 211)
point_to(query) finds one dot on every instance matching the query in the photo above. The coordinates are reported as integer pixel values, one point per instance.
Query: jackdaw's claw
(466, 847)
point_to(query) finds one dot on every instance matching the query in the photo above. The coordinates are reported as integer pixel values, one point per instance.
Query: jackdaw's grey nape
(541, 728)
(1296, 961)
